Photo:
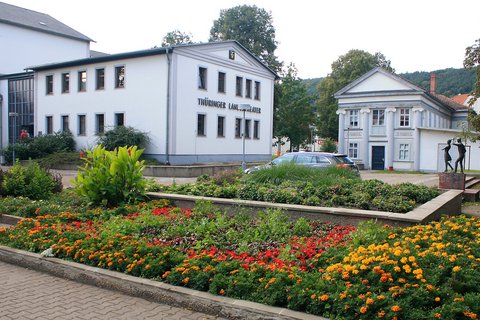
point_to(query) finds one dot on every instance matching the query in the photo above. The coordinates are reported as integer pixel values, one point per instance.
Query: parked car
(311, 159)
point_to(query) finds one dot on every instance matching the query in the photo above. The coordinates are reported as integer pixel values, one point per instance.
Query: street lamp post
(244, 107)
(14, 115)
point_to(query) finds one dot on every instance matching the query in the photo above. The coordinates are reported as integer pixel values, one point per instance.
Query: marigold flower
(369, 301)
(438, 315)
(313, 296)
(363, 309)
(324, 297)
(396, 308)
(222, 292)
(437, 299)
(470, 315)
(456, 268)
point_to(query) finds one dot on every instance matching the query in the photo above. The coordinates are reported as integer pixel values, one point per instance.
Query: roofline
(111, 57)
(15, 75)
(140, 53)
(85, 38)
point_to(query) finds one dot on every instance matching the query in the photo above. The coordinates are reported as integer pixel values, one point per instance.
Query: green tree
(293, 113)
(253, 28)
(472, 61)
(345, 69)
(176, 37)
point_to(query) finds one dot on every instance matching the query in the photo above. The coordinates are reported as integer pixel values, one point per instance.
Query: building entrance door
(378, 158)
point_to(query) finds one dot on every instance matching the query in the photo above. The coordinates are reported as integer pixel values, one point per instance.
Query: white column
(365, 112)
(341, 131)
(390, 126)
(417, 123)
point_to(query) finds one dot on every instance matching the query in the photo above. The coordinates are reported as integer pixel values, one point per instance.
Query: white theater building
(386, 122)
(186, 98)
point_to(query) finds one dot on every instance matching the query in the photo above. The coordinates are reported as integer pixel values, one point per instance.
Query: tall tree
(293, 113)
(472, 60)
(345, 69)
(253, 28)
(176, 37)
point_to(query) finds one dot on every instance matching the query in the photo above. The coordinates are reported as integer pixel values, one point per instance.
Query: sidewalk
(28, 294)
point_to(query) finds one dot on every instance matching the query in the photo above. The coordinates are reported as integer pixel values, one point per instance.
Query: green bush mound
(332, 187)
(31, 181)
(40, 146)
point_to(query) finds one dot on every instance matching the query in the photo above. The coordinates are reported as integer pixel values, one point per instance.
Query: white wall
(21, 48)
(143, 100)
(186, 106)
(432, 155)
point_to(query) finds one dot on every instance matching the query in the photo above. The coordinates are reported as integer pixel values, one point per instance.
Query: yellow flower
(456, 268)
(437, 299)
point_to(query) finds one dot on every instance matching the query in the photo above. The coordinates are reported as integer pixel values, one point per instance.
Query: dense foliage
(40, 146)
(330, 187)
(30, 181)
(293, 111)
(253, 28)
(422, 272)
(176, 37)
(110, 178)
(123, 136)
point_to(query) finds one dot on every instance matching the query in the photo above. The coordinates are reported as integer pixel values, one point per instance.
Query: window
(100, 123)
(65, 125)
(353, 150)
(239, 87)
(202, 78)
(119, 119)
(221, 82)
(65, 82)
(221, 126)
(404, 152)
(81, 125)
(201, 125)
(49, 124)
(238, 126)
(248, 123)
(49, 84)
(257, 90)
(82, 81)
(404, 117)
(248, 88)
(120, 77)
(100, 79)
(353, 118)
(256, 129)
(378, 117)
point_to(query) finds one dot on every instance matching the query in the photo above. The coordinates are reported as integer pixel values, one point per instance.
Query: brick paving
(28, 294)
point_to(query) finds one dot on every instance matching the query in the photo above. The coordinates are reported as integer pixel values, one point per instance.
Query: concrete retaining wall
(448, 203)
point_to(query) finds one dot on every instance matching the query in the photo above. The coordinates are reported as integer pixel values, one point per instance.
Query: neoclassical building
(386, 122)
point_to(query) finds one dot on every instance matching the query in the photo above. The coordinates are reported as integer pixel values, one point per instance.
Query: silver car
(311, 159)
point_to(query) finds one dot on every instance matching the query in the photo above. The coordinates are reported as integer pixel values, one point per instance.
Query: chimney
(433, 83)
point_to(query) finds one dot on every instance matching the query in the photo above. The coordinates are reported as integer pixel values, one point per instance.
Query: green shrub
(122, 136)
(111, 178)
(30, 181)
(59, 158)
(41, 146)
(329, 145)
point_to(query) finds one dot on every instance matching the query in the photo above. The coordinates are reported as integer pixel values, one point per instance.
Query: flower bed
(422, 272)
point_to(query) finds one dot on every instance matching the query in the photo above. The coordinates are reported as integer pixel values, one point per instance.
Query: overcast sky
(416, 35)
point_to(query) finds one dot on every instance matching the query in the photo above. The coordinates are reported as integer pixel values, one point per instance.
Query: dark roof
(38, 21)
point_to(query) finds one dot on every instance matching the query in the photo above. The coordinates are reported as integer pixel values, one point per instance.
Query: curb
(151, 290)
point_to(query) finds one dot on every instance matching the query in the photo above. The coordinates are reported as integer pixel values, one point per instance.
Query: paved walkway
(28, 294)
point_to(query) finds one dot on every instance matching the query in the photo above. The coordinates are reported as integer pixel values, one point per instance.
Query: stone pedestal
(451, 180)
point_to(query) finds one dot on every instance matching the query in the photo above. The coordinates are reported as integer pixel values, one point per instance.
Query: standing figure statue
(447, 156)
(461, 154)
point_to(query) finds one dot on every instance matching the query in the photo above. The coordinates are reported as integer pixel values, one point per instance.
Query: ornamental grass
(341, 272)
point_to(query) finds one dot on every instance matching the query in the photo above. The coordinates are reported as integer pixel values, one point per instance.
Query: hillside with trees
(450, 82)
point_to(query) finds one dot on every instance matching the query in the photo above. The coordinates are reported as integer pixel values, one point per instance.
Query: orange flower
(324, 297)
(396, 308)
(370, 301)
(363, 309)
(222, 292)
(381, 314)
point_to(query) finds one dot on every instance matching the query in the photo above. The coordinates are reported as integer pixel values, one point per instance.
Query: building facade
(186, 98)
(29, 38)
(386, 122)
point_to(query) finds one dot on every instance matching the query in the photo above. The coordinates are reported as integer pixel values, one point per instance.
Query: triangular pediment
(378, 80)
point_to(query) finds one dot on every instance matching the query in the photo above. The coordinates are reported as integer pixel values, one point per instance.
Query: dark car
(311, 159)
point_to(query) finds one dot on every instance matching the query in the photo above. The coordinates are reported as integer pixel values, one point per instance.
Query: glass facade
(20, 106)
